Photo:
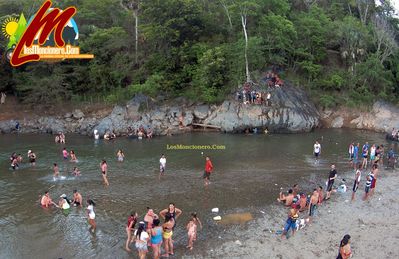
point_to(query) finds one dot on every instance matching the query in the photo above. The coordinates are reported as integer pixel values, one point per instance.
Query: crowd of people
(302, 207)
(249, 94)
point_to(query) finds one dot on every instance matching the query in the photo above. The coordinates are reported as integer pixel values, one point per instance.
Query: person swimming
(77, 199)
(120, 155)
(73, 156)
(76, 171)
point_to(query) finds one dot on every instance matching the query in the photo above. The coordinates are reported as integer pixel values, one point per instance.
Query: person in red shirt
(208, 170)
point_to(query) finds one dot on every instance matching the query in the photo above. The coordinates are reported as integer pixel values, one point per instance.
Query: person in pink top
(65, 154)
(104, 169)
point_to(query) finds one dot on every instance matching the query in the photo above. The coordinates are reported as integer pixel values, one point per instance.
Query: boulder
(201, 112)
(77, 114)
(338, 122)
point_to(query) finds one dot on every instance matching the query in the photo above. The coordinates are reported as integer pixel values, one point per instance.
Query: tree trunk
(244, 27)
(227, 13)
(136, 45)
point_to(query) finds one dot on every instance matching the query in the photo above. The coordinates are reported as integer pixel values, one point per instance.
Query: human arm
(199, 221)
(178, 212)
(163, 213)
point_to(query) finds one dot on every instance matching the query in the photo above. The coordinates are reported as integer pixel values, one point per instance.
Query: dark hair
(375, 166)
(167, 217)
(290, 191)
(194, 215)
(295, 185)
(45, 192)
(75, 191)
(55, 164)
(140, 229)
(297, 206)
(345, 240)
(321, 187)
(171, 203)
(314, 189)
(91, 202)
(156, 222)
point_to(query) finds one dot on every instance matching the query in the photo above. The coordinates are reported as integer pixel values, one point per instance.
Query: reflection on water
(248, 176)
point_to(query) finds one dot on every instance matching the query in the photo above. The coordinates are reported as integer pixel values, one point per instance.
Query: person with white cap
(32, 157)
(63, 203)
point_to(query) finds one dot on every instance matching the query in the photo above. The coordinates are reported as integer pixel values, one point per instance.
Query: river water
(248, 175)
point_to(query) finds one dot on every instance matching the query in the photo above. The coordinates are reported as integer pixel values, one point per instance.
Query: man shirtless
(46, 200)
(286, 199)
(77, 199)
(56, 171)
(314, 200)
(302, 202)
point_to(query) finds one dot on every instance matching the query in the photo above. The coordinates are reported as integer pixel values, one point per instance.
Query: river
(248, 175)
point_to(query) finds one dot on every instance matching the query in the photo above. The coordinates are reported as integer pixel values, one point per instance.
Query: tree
(384, 38)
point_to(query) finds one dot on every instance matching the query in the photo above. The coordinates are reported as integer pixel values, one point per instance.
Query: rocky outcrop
(382, 117)
(291, 111)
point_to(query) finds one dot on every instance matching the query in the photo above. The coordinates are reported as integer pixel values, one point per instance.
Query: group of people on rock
(395, 134)
(252, 96)
(272, 79)
(16, 160)
(151, 233)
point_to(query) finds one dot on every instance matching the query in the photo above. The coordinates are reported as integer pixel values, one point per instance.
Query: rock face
(382, 117)
(291, 111)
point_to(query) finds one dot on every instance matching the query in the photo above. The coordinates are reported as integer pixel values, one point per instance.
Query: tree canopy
(340, 51)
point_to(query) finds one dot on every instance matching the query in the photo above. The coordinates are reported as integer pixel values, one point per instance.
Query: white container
(217, 218)
(215, 210)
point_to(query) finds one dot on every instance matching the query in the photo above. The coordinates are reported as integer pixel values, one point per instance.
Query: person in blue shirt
(391, 158)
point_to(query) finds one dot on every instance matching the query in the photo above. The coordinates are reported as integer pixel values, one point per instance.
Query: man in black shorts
(331, 178)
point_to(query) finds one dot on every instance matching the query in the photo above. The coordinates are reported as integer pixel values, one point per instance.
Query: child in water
(192, 230)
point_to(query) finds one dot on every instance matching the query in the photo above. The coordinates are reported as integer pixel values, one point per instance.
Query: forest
(340, 51)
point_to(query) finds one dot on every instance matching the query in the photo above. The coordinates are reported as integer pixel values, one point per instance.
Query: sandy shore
(373, 225)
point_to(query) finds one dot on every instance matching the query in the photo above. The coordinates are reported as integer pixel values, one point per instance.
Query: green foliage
(196, 49)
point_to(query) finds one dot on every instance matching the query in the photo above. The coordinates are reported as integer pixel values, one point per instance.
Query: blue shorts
(290, 224)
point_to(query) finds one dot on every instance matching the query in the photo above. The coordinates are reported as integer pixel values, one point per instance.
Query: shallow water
(248, 176)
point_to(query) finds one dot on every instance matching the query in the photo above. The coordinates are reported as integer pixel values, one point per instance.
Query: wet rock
(77, 114)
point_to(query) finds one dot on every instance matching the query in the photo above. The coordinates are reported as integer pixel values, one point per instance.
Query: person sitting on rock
(149, 133)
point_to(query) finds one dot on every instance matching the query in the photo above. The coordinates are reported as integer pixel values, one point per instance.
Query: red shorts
(373, 183)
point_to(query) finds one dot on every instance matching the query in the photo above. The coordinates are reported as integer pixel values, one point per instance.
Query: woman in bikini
(167, 235)
(73, 156)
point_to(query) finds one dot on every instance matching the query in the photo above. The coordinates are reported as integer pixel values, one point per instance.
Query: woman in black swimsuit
(172, 211)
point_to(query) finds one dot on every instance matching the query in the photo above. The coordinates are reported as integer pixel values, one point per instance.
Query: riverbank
(290, 111)
(372, 225)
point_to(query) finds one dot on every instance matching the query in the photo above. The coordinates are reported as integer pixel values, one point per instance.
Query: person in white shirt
(317, 149)
(162, 165)
(141, 238)
(91, 215)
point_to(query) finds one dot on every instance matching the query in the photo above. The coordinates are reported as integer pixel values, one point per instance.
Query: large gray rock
(337, 122)
(78, 114)
(291, 112)
(201, 112)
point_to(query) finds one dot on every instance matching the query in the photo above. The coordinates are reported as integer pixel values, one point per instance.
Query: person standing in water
(104, 170)
(162, 165)
(172, 211)
(192, 227)
(120, 155)
(356, 155)
(317, 149)
(91, 215)
(331, 177)
(358, 175)
(208, 170)
(156, 238)
(32, 158)
(141, 238)
(3, 98)
(131, 223)
(167, 235)
(65, 154)
(345, 251)
(56, 171)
